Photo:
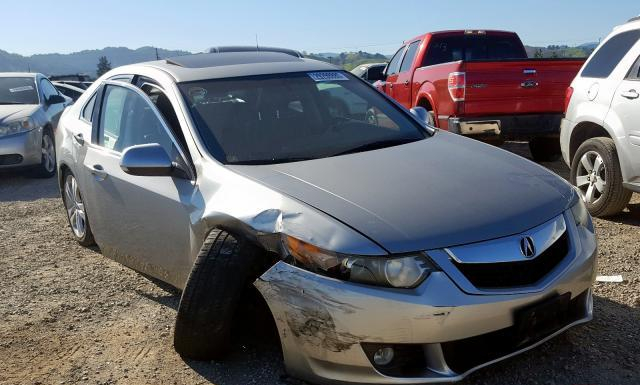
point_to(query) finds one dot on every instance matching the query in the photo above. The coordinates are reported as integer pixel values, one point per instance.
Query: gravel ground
(70, 316)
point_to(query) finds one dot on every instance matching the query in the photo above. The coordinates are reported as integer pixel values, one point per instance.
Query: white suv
(600, 135)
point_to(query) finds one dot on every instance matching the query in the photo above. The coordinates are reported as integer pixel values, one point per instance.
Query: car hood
(443, 191)
(9, 112)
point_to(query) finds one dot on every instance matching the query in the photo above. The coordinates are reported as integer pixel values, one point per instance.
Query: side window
(634, 72)
(409, 56)
(163, 104)
(48, 89)
(127, 119)
(394, 65)
(87, 111)
(607, 57)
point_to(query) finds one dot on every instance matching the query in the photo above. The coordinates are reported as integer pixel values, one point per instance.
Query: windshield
(291, 117)
(18, 91)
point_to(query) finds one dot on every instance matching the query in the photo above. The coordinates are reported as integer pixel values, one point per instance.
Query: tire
(73, 202)
(607, 196)
(431, 118)
(225, 267)
(545, 149)
(47, 166)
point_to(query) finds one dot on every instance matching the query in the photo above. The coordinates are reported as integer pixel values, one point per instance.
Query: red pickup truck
(482, 84)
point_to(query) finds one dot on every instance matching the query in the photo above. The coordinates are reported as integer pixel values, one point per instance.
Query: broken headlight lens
(402, 271)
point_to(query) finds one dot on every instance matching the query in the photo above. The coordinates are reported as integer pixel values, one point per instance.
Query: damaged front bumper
(330, 329)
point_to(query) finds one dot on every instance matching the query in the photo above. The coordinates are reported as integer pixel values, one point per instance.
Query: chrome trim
(508, 250)
(529, 71)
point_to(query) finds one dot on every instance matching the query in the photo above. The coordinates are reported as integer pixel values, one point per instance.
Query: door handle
(98, 172)
(631, 94)
(79, 138)
(406, 83)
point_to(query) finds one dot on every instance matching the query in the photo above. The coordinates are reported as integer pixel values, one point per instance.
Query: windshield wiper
(377, 145)
(269, 161)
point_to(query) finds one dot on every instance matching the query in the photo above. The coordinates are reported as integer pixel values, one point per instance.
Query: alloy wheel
(48, 153)
(75, 207)
(591, 178)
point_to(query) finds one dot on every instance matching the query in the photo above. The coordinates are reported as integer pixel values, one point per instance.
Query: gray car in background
(387, 251)
(30, 108)
(370, 71)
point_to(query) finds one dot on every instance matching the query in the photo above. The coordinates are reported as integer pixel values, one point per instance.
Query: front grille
(462, 355)
(11, 159)
(514, 274)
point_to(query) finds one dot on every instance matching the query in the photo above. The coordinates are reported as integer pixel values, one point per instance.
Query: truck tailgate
(521, 86)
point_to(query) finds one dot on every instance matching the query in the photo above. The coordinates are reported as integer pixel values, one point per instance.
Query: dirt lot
(70, 316)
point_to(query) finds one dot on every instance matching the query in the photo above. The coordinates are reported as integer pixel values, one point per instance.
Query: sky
(64, 26)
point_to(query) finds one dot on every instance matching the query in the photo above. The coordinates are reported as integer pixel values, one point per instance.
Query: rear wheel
(225, 268)
(47, 166)
(595, 171)
(545, 149)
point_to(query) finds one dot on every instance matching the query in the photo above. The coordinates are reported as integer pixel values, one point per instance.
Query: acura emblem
(527, 248)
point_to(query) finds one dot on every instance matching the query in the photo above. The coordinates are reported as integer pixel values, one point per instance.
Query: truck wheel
(224, 268)
(595, 170)
(76, 213)
(47, 166)
(545, 149)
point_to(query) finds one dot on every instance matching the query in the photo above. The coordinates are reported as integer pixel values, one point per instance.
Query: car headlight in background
(16, 127)
(581, 215)
(401, 271)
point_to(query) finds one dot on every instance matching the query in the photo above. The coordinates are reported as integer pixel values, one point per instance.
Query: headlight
(402, 271)
(581, 214)
(16, 127)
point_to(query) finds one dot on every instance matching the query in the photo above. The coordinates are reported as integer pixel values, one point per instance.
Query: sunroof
(230, 58)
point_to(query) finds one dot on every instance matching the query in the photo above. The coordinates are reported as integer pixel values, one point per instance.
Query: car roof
(19, 74)
(234, 64)
(69, 86)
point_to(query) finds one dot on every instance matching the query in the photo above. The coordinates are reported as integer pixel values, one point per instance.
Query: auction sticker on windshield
(328, 76)
(20, 89)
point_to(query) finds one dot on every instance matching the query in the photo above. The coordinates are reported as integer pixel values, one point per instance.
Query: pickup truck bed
(481, 84)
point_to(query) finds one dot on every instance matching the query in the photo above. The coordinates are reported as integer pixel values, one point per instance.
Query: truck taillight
(456, 83)
(567, 98)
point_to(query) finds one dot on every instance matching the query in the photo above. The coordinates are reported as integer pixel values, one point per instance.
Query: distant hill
(83, 62)
(348, 60)
(560, 51)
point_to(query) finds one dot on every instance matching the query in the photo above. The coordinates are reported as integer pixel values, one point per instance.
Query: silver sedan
(387, 251)
(30, 107)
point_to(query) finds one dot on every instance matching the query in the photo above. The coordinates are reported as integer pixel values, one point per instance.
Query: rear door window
(634, 73)
(409, 56)
(607, 57)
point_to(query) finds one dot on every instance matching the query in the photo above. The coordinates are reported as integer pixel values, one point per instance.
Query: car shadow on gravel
(631, 217)
(19, 187)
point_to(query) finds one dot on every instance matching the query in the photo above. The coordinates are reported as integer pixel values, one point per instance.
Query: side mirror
(147, 160)
(375, 75)
(56, 99)
(421, 114)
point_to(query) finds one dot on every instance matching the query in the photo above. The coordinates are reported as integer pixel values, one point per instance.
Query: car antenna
(257, 46)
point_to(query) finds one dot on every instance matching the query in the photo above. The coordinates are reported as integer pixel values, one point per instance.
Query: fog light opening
(384, 356)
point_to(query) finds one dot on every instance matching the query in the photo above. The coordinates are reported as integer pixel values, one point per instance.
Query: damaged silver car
(387, 251)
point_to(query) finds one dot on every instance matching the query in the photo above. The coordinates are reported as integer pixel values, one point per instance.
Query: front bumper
(327, 326)
(23, 149)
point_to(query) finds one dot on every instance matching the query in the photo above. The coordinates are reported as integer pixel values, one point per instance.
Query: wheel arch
(583, 132)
